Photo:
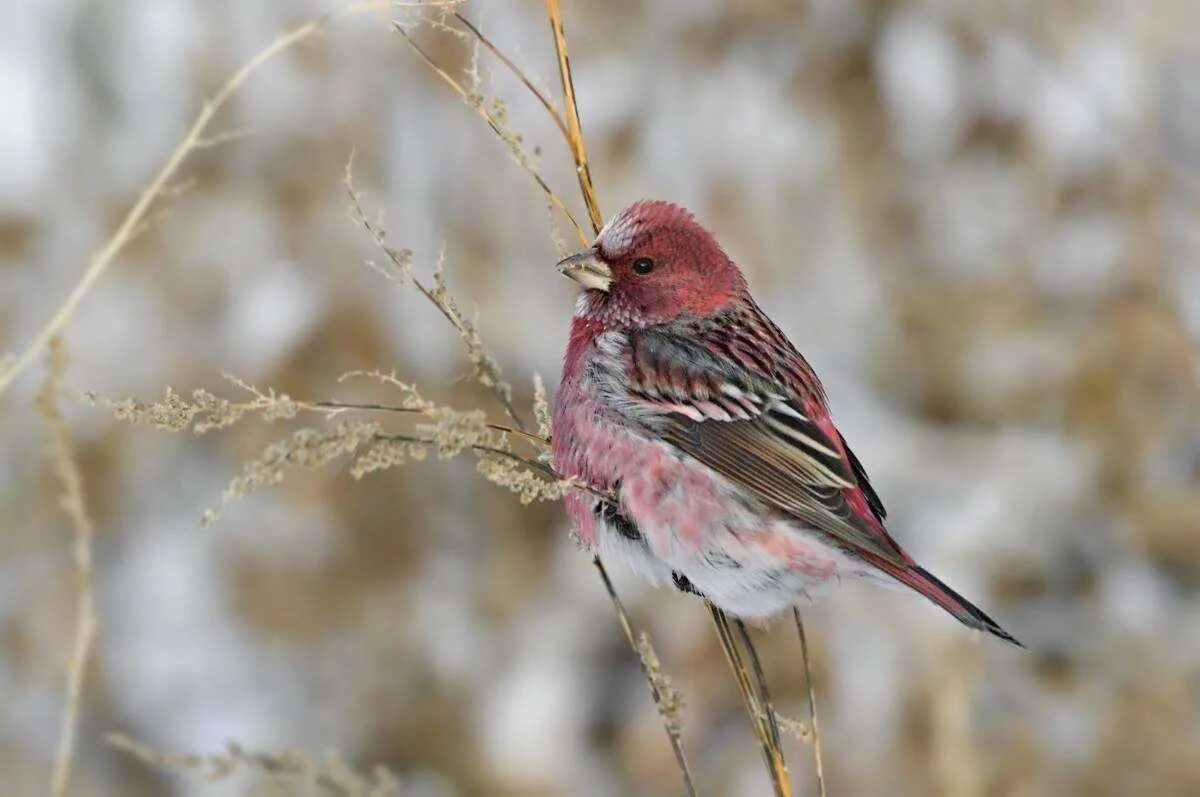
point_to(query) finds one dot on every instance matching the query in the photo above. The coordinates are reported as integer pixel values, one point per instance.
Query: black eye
(643, 265)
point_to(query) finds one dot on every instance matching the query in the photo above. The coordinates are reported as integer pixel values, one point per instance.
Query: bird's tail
(929, 585)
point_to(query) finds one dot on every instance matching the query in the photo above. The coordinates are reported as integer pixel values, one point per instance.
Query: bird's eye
(643, 265)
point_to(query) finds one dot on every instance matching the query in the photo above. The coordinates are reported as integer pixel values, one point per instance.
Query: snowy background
(979, 220)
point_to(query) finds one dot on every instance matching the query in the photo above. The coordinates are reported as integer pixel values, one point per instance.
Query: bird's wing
(757, 431)
(860, 473)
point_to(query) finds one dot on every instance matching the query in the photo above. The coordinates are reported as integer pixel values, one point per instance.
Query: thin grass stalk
(334, 407)
(574, 135)
(760, 679)
(518, 73)
(74, 504)
(195, 139)
(532, 464)
(812, 703)
(494, 124)
(574, 129)
(626, 626)
(283, 772)
(449, 312)
(576, 147)
(766, 730)
(772, 754)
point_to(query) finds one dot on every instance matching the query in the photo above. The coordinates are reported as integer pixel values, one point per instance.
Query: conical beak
(587, 269)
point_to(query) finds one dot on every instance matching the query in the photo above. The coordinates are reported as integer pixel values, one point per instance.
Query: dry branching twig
(573, 135)
(293, 770)
(669, 700)
(666, 699)
(197, 138)
(546, 102)
(513, 140)
(486, 369)
(73, 503)
(443, 430)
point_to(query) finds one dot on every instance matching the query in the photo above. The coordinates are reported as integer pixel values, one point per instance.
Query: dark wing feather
(860, 474)
(752, 430)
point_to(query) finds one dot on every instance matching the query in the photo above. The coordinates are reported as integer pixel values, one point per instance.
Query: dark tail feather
(929, 585)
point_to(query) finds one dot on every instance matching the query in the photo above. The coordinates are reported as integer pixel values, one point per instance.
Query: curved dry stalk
(812, 703)
(496, 127)
(71, 482)
(574, 129)
(195, 139)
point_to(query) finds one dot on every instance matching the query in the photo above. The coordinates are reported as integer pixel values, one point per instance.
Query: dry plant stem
(760, 679)
(333, 407)
(494, 124)
(812, 703)
(574, 135)
(627, 627)
(574, 130)
(71, 483)
(331, 776)
(954, 757)
(519, 73)
(532, 464)
(772, 755)
(379, 236)
(766, 730)
(195, 139)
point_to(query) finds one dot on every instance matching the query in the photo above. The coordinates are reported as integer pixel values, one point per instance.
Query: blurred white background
(979, 220)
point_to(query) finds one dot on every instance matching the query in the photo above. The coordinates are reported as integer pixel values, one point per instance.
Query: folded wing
(757, 431)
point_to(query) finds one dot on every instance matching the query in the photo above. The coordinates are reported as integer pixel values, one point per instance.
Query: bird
(699, 439)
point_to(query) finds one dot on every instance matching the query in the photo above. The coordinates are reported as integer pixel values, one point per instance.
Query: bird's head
(653, 263)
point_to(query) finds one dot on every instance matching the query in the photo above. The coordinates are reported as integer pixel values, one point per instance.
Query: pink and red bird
(681, 399)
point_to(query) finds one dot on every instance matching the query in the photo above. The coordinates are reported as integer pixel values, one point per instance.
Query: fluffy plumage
(681, 396)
